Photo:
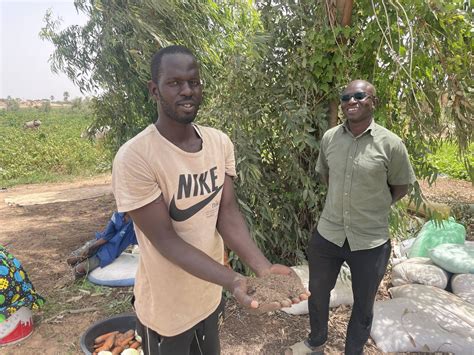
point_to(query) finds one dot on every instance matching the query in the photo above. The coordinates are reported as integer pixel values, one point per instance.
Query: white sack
(463, 286)
(400, 249)
(341, 294)
(423, 318)
(399, 325)
(419, 270)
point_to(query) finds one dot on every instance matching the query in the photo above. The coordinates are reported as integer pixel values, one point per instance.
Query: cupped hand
(239, 291)
(285, 270)
(282, 303)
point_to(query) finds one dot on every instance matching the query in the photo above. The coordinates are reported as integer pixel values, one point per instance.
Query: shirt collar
(372, 129)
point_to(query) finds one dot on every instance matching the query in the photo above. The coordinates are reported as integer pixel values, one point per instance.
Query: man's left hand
(281, 270)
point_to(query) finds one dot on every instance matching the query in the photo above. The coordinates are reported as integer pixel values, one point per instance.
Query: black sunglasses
(358, 96)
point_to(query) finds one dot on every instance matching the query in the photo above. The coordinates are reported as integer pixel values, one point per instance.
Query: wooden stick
(71, 311)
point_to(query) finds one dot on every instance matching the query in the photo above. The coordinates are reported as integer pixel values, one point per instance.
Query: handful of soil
(274, 288)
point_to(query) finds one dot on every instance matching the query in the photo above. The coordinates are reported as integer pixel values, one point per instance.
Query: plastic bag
(455, 258)
(433, 234)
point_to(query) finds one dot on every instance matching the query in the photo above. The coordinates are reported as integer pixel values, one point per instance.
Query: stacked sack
(422, 315)
(444, 243)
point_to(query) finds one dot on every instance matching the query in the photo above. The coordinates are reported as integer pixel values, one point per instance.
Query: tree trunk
(339, 12)
(346, 11)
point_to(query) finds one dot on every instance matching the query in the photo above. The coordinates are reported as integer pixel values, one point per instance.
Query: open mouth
(188, 107)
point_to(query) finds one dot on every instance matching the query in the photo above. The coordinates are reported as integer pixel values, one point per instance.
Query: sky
(24, 69)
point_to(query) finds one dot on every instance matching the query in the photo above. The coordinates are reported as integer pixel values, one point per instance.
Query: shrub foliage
(271, 70)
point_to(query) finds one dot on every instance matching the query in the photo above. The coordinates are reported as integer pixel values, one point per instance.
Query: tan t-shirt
(168, 299)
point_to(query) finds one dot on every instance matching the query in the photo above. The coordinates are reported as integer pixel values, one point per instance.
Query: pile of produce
(116, 343)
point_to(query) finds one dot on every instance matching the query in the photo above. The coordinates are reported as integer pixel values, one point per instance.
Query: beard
(172, 113)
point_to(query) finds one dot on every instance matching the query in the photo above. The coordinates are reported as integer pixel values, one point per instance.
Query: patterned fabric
(16, 289)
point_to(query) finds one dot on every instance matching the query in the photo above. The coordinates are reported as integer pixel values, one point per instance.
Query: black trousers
(367, 270)
(202, 339)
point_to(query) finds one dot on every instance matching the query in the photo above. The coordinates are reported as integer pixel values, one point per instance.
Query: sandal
(303, 348)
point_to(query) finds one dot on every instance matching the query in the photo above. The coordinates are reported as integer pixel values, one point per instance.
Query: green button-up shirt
(359, 171)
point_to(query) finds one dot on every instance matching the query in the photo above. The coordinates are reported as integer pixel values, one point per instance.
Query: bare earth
(42, 235)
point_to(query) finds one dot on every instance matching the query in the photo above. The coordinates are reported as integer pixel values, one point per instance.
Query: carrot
(99, 345)
(117, 350)
(134, 345)
(125, 341)
(108, 344)
(103, 337)
(118, 339)
(128, 333)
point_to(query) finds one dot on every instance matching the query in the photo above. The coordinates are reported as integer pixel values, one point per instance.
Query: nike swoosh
(181, 215)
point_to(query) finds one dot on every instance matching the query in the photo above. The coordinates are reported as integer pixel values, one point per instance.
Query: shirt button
(348, 175)
(346, 212)
(350, 156)
(345, 193)
(347, 227)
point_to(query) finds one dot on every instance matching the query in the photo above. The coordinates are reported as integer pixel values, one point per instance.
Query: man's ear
(375, 101)
(153, 89)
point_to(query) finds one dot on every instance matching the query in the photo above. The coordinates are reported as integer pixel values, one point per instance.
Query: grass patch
(53, 152)
(448, 162)
(83, 294)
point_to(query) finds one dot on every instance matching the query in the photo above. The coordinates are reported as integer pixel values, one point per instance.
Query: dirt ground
(41, 237)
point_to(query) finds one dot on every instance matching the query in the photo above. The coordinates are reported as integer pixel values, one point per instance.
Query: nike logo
(181, 215)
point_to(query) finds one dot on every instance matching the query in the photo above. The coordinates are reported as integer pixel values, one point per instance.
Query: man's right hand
(239, 290)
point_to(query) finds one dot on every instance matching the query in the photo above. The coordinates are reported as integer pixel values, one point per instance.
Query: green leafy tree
(272, 73)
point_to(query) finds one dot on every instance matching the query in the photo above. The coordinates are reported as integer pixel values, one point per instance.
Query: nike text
(198, 184)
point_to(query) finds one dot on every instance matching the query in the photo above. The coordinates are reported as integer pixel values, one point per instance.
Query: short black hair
(158, 56)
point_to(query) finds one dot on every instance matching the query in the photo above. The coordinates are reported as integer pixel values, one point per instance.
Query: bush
(448, 162)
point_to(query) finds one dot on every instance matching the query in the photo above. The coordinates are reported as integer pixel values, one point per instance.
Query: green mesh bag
(433, 234)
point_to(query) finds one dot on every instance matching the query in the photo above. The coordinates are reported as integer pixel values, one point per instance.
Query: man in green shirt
(367, 169)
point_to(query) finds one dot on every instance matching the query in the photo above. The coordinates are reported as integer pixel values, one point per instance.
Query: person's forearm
(153, 220)
(92, 249)
(99, 242)
(397, 192)
(194, 261)
(234, 231)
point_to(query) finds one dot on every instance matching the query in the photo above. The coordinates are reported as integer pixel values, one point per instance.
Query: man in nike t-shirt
(175, 180)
